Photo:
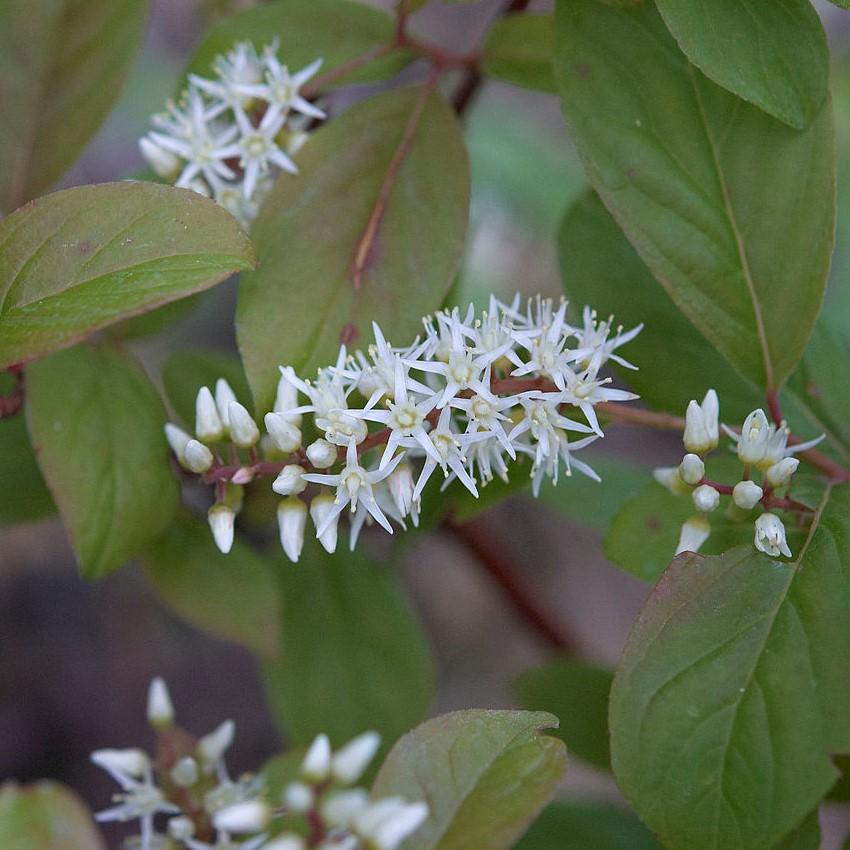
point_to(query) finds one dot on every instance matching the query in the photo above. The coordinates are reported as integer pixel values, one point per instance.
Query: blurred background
(77, 657)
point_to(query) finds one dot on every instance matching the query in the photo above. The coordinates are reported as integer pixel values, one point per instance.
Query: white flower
(287, 841)
(401, 486)
(694, 533)
(705, 498)
(224, 395)
(322, 454)
(780, 473)
(691, 469)
(316, 766)
(669, 477)
(770, 536)
(747, 494)
(292, 520)
(753, 439)
(350, 761)
(320, 508)
(281, 88)
(291, 481)
(160, 707)
(285, 433)
(340, 808)
(257, 149)
(177, 440)
(243, 429)
(593, 337)
(240, 67)
(701, 424)
(197, 457)
(286, 398)
(163, 162)
(584, 390)
(212, 747)
(221, 518)
(185, 772)
(247, 816)
(208, 425)
(387, 822)
(298, 797)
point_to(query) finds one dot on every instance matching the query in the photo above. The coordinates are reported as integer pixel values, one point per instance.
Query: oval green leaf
(96, 425)
(772, 54)
(484, 774)
(519, 50)
(732, 210)
(62, 65)
(78, 260)
(737, 667)
(404, 148)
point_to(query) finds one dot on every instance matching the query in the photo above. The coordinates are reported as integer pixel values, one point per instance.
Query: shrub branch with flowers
(705, 131)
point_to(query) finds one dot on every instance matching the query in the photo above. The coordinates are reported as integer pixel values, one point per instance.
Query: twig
(321, 82)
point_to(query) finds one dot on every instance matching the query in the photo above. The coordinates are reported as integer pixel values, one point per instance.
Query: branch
(321, 82)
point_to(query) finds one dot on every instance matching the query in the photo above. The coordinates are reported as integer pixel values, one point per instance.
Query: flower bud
(160, 708)
(292, 520)
(224, 395)
(691, 469)
(184, 774)
(755, 433)
(321, 454)
(341, 808)
(213, 746)
(316, 766)
(291, 841)
(706, 498)
(221, 519)
(770, 536)
(290, 481)
(197, 457)
(128, 762)
(386, 823)
(243, 430)
(701, 424)
(208, 425)
(181, 828)
(747, 494)
(320, 509)
(244, 817)
(287, 396)
(401, 486)
(287, 435)
(298, 797)
(349, 762)
(780, 473)
(163, 162)
(668, 476)
(694, 533)
(177, 440)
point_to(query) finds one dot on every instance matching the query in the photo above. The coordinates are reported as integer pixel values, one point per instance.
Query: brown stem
(490, 554)
(773, 406)
(331, 76)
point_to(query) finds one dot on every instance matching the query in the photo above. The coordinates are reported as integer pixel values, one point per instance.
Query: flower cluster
(465, 398)
(226, 136)
(762, 448)
(188, 783)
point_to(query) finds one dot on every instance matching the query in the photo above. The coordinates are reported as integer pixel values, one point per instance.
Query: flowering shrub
(320, 150)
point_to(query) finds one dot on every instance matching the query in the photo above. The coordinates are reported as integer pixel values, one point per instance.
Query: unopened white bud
(160, 707)
(401, 486)
(163, 162)
(212, 747)
(668, 476)
(292, 520)
(208, 425)
(706, 498)
(321, 454)
(780, 473)
(128, 762)
(243, 430)
(240, 818)
(298, 797)
(287, 396)
(184, 774)
(694, 533)
(755, 433)
(691, 469)
(177, 440)
(286, 434)
(197, 457)
(181, 828)
(386, 823)
(320, 508)
(701, 424)
(747, 494)
(291, 481)
(351, 760)
(224, 395)
(289, 841)
(770, 536)
(316, 766)
(342, 807)
(221, 519)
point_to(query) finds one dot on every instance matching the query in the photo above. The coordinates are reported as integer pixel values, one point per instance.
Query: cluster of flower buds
(465, 398)
(188, 785)
(227, 136)
(762, 447)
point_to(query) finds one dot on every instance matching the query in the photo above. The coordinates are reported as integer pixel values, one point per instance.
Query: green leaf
(772, 54)
(78, 260)
(730, 209)
(336, 31)
(842, 4)
(352, 654)
(45, 816)
(577, 694)
(63, 64)
(282, 769)
(587, 826)
(484, 774)
(805, 837)
(519, 50)
(737, 664)
(233, 596)
(302, 300)
(185, 372)
(96, 424)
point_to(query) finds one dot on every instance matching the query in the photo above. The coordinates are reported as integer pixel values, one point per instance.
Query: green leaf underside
(484, 774)
(352, 655)
(587, 826)
(577, 694)
(78, 260)
(731, 210)
(63, 63)
(294, 309)
(96, 424)
(23, 495)
(45, 816)
(600, 268)
(732, 689)
(232, 596)
(336, 31)
(772, 54)
(519, 50)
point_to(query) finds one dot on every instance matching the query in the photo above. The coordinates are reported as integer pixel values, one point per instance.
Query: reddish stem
(773, 406)
(12, 402)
